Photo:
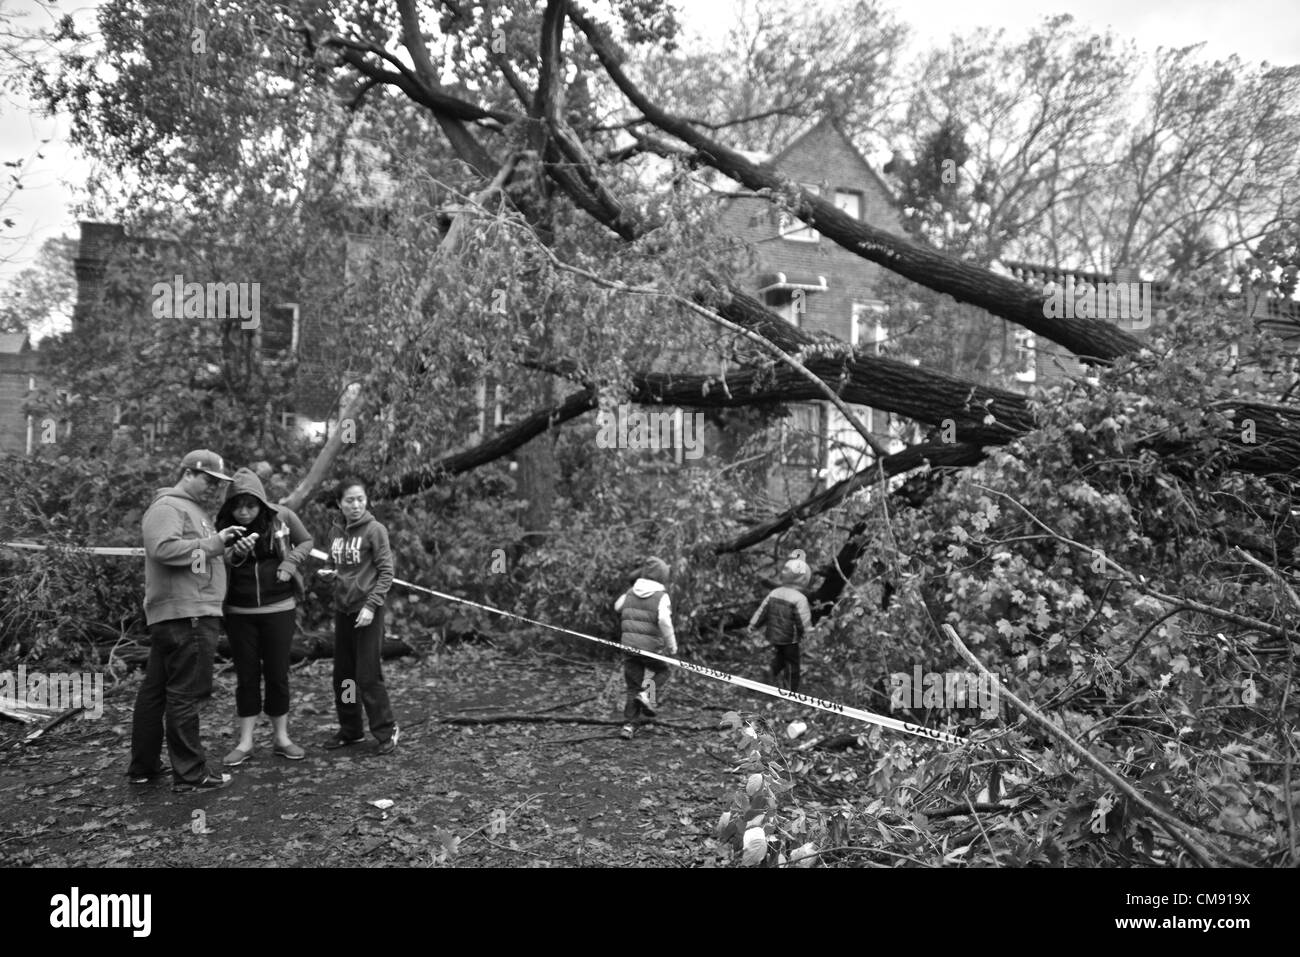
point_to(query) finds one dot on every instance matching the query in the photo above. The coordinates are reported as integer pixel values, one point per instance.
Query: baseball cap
(205, 460)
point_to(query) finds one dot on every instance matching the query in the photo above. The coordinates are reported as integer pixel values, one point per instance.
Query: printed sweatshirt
(253, 579)
(647, 617)
(184, 563)
(787, 615)
(360, 554)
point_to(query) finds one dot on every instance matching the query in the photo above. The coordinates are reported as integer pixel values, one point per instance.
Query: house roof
(774, 159)
(848, 140)
(14, 342)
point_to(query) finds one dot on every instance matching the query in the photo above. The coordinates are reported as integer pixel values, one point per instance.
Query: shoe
(627, 732)
(236, 757)
(290, 751)
(387, 747)
(162, 772)
(210, 782)
(338, 741)
(647, 698)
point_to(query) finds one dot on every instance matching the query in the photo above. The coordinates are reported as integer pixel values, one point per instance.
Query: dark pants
(634, 669)
(259, 644)
(177, 680)
(783, 657)
(357, 660)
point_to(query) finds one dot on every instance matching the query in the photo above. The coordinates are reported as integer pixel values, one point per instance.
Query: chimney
(93, 251)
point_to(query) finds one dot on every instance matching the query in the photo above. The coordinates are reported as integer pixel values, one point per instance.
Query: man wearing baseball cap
(184, 586)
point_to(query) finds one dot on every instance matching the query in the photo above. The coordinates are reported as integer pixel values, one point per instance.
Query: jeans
(357, 661)
(259, 644)
(177, 680)
(634, 669)
(783, 657)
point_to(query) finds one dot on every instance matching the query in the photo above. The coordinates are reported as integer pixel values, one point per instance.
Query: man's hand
(365, 617)
(231, 533)
(282, 575)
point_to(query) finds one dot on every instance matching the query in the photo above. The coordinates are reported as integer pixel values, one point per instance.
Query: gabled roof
(14, 342)
(774, 160)
(826, 121)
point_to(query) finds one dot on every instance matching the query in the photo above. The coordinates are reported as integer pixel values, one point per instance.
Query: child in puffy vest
(647, 623)
(788, 617)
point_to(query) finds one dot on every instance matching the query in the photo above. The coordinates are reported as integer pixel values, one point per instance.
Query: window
(791, 227)
(849, 201)
(869, 331)
(801, 437)
(1026, 365)
(846, 453)
(495, 415)
(277, 334)
(869, 325)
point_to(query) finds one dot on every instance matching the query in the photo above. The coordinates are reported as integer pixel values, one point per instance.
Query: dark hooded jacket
(283, 545)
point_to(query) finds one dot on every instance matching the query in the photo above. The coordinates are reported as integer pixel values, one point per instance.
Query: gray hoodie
(360, 553)
(184, 563)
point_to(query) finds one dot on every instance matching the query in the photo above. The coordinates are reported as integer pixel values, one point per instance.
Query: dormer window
(850, 201)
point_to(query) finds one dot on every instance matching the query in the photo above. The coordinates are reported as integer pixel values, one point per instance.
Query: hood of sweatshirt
(175, 491)
(342, 522)
(246, 482)
(645, 587)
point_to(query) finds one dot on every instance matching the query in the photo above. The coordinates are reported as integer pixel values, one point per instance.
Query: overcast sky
(1255, 30)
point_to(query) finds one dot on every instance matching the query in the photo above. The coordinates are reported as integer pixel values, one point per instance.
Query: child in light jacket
(646, 619)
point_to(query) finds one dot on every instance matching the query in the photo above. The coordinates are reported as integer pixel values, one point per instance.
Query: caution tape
(116, 552)
(822, 704)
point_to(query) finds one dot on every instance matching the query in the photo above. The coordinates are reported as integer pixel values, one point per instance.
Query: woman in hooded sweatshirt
(261, 597)
(361, 564)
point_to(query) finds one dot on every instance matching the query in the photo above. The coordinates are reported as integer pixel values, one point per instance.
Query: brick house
(821, 287)
(19, 376)
(87, 426)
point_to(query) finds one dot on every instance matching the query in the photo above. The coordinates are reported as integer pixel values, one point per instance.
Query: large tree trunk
(965, 282)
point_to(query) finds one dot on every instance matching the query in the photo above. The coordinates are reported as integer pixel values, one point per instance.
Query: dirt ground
(515, 793)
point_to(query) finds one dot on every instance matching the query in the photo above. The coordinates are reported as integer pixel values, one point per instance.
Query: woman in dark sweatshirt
(361, 564)
(262, 594)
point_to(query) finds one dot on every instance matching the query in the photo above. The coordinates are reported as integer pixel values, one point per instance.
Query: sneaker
(338, 741)
(387, 747)
(647, 698)
(162, 772)
(210, 782)
(627, 732)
